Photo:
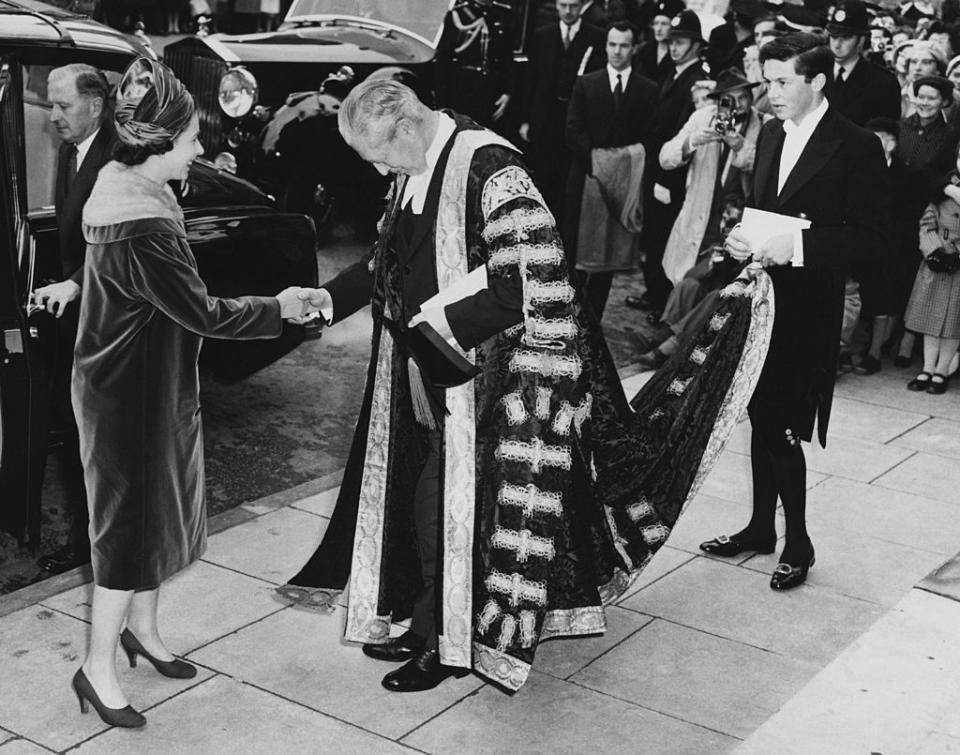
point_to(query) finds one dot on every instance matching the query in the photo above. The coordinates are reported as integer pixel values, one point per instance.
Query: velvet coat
(135, 388)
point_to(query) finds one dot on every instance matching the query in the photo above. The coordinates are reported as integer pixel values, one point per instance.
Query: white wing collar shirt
(796, 136)
(415, 191)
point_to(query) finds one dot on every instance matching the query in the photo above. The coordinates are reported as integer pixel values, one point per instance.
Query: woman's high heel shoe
(175, 669)
(127, 717)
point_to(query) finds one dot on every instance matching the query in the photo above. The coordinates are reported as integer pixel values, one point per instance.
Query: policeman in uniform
(475, 69)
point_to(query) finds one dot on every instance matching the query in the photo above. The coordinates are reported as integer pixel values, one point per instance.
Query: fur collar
(121, 194)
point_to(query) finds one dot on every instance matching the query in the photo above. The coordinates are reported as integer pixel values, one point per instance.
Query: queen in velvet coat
(143, 314)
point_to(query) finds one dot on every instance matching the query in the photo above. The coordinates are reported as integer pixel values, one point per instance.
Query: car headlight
(238, 92)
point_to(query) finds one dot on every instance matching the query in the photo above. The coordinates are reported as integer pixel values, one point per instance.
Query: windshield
(421, 17)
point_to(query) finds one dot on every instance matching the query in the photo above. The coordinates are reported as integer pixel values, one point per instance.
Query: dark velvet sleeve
(475, 319)
(162, 272)
(352, 289)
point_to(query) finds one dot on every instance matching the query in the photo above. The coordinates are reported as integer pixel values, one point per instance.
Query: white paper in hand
(758, 226)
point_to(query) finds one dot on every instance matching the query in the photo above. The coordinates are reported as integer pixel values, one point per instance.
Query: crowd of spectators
(895, 73)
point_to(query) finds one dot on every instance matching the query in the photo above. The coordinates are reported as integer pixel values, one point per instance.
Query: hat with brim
(668, 8)
(884, 124)
(941, 84)
(686, 25)
(849, 18)
(749, 8)
(729, 81)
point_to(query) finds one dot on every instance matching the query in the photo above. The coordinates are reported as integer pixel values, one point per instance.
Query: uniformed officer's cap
(686, 25)
(668, 8)
(849, 17)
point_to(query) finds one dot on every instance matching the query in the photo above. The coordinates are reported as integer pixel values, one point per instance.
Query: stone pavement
(700, 657)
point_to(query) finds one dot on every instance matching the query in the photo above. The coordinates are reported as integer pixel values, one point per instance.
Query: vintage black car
(243, 245)
(268, 100)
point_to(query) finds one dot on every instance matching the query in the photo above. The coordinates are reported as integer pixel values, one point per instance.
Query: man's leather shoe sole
(402, 648)
(422, 673)
(726, 547)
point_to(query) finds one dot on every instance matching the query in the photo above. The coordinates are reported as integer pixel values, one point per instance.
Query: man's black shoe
(422, 673)
(408, 645)
(638, 302)
(787, 576)
(62, 560)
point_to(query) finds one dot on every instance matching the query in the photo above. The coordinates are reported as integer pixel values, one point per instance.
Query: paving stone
(939, 744)
(858, 565)
(880, 424)
(663, 562)
(321, 504)
(805, 623)
(888, 388)
(885, 693)
(272, 547)
(938, 437)
(226, 716)
(886, 514)
(853, 458)
(925, 475)
(705, 518)
(42, 649)
(564, 656)
(22, 747)
(201, 603)
(720, 684)
(549, 715)
(302, 656)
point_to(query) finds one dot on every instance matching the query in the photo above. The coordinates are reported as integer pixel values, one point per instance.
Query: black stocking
(762, 526)
(792, 478)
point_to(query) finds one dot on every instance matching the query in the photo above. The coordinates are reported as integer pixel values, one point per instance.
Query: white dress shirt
(847, 69)
(573, 29)
(796, 136)
(84, 147)
(624, 76)
(415, 192)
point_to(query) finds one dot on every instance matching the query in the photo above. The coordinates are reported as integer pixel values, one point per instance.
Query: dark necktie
(566, 37)
(840, 76)
(618, 93)
(71, 169)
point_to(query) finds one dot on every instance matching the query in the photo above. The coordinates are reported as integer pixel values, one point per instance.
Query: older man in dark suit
(80, 98)
(812, 163)
(613, 107)
(558, 54)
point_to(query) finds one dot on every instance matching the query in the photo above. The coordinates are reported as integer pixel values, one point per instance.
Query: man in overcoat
(559, 53)
(80, 112)
(811, 163)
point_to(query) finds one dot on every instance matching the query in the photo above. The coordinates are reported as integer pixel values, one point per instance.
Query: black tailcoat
(840, 185)
(869, 92)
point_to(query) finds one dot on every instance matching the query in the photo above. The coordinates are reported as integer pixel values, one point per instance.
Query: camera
(725, 119)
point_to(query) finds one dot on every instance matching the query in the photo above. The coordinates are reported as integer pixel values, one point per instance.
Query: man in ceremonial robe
(506, 510)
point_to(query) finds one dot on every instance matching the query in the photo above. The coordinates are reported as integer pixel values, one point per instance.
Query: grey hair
(375, 101)
(90, 82)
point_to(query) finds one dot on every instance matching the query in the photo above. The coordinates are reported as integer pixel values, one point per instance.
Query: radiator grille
(202, 79)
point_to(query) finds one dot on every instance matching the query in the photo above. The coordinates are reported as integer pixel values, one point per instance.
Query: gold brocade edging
(500, 667)
(363, 623)
(572, 622)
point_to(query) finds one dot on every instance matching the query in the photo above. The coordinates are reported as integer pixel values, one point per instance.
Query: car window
(422, 17)
(42, 142)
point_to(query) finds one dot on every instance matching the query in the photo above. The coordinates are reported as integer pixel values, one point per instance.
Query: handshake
(300, 305)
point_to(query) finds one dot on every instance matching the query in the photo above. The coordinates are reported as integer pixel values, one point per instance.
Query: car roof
(28, 23)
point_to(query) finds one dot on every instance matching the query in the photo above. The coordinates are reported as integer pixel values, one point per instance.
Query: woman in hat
(135, 390)
(927, 149)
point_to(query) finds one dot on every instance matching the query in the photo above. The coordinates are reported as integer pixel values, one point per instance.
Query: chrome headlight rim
(238, 92)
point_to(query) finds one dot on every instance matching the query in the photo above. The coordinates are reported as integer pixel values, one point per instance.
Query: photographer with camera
(717, 143)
